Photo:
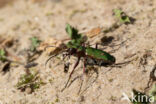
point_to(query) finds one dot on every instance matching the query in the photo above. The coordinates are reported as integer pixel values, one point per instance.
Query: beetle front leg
(72, 72)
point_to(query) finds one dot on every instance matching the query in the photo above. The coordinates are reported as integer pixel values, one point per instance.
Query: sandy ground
(23, 19)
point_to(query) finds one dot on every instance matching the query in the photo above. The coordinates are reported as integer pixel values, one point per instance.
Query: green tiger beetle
(76, 46)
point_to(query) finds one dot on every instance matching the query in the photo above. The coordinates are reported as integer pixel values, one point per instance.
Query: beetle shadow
(114, 46)
(73, 80)
(131, 19)
(106, 40)
(112, 28)
(95, 70)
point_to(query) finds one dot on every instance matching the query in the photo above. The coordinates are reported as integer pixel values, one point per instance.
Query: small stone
(28, 90)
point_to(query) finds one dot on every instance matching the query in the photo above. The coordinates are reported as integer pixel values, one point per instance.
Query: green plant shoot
(31, 80)
(34, 43)
(76, 38)
(2, 55)
(121, 16)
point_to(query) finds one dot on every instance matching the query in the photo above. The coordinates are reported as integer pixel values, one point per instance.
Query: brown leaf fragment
(51, 45)
(93, 32)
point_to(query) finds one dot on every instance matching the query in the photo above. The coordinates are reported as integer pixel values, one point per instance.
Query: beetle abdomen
(99, 54)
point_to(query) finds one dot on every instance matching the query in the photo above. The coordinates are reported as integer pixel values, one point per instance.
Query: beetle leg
(96, 45)
(72, 72)
(84, 63)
